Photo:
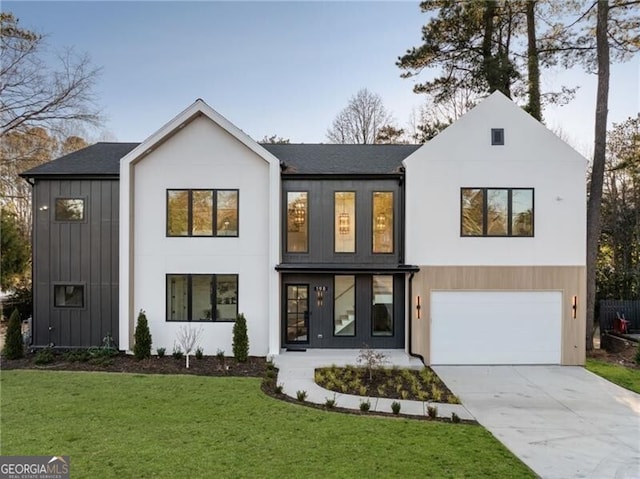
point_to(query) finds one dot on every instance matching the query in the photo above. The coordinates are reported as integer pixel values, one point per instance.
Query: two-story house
(469, 249)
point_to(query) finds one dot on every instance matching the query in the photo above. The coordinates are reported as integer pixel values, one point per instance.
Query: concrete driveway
(562, 421)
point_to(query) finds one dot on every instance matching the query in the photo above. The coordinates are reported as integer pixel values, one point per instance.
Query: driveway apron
(562, 421)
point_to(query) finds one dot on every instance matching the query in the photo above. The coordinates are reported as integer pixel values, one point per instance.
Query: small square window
(497, 136)
(68, 296)
(69, 209)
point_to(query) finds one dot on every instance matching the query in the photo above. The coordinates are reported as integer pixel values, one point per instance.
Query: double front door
(343, 311)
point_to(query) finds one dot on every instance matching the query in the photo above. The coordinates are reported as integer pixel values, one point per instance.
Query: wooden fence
(608, 317)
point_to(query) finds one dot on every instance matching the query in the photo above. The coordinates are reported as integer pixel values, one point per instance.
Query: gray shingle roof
(103, 159)
(340, 159)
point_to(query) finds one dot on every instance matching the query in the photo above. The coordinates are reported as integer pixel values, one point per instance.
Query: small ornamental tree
(13, 347)
(240, 339)
(142, 338)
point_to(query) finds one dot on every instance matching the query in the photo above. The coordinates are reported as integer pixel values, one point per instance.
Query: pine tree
(240, 339)
(13, 347)
(142, 337)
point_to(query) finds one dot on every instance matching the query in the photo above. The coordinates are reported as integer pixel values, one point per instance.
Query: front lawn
(622, 376)
(134, 425)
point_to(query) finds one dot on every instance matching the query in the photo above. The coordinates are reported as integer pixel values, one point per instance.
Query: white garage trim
(505, 327)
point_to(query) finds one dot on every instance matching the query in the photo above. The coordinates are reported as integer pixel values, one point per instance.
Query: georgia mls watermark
(34, 467)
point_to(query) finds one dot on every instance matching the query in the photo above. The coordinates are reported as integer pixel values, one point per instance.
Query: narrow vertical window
(382, 222)
(344, 306)
(227, 297)
(201, 285)
(177, 297)
(227, 213)
(522, 212)
(472, 212)
(497, 212)
(297, 222)
(382, 305)
(345, 221)
(178, 212)
(202, 208)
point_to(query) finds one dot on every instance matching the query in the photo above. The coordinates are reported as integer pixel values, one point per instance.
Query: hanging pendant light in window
(381, 222)
(299, 213)
(344, 223)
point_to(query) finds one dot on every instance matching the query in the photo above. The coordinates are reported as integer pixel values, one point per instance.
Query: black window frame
(393, 306)
(214, 232)
(306, 221)
(65, 285)
(355, 223)
(485, 222)
(355, 307)
(84, 209)
(393, 223)
(214, 287)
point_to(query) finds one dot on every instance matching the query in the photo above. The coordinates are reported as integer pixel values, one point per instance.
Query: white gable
(462, 156)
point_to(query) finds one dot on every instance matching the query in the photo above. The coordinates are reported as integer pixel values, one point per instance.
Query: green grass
(123, 425)
(626, 377)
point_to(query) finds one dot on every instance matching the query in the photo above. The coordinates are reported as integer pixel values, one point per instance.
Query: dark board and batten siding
(85, 253)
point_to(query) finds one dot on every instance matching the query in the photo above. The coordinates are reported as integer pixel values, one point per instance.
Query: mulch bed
(124, 363)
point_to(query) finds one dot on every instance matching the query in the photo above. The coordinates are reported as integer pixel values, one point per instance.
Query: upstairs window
(202, 213)
(345, 222)
(297, 222)
(69, 209)
(497, 212)
(382, 222)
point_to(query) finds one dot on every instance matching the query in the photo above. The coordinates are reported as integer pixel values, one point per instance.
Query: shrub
(188, 337)
(177, 352)
(13, 346)
(161, 352)
(279, 388)
(395, 407)
(365, 405)
(301, 395)
(455, 418)
(330, 403)
(432, 412)
(142, 338)
(240, 339)
(44, 356)
(220, 354)
(199, 353)
(638, 354)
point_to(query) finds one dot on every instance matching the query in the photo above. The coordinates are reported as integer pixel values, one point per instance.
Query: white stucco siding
(462, 157)
(203, 155)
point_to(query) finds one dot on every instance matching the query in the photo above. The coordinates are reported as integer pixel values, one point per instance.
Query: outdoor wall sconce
(43, 208)
(418, 307)
(320, 295)
(574, 307)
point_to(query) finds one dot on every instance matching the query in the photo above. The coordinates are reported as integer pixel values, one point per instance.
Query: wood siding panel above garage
(570, 280)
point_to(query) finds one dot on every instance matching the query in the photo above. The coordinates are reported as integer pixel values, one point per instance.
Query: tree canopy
(361, 121)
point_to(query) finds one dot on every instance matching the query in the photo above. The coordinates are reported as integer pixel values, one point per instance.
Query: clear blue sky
(281, 68)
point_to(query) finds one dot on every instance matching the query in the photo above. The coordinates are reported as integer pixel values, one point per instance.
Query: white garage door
(495, 327)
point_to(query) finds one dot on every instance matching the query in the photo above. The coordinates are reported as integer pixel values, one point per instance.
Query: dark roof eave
(342, 268)
(71, 176)
(363, 176)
